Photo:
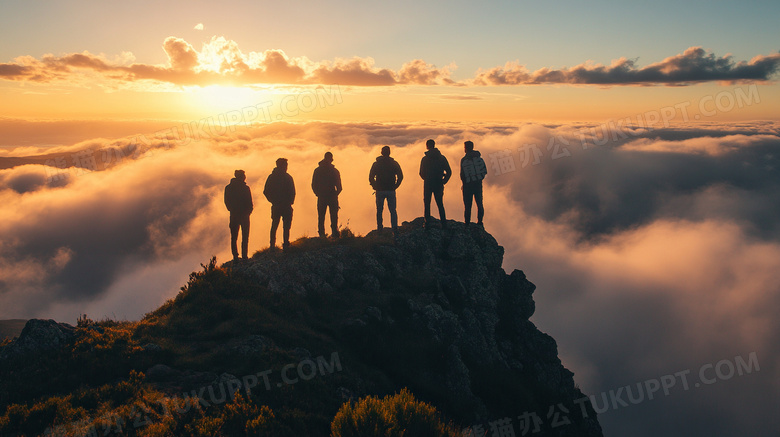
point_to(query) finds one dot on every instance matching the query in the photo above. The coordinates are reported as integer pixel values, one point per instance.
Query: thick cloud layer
(655, 252)
(221, 61)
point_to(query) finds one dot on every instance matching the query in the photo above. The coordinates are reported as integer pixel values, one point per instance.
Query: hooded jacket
(385, 174)
(472, 167)
(238, 197)
(279, 188)
(326, 180)
(434, 168)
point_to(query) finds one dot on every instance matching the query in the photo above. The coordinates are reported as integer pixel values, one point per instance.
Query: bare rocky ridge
(461, 299)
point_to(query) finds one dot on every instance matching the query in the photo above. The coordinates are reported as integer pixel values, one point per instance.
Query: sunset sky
(453, 60)
(633, 149)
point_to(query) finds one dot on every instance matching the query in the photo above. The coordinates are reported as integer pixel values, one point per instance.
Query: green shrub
(400, 415)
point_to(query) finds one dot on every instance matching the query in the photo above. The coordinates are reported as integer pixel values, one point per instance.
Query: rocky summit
(457, 297)
(302, 332)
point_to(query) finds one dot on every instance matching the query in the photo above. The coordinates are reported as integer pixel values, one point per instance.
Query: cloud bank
(653, 254)
(695, 65)
(221, 61)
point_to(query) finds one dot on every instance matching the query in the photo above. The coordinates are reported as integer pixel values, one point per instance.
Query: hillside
(298, 334)
(11, 328)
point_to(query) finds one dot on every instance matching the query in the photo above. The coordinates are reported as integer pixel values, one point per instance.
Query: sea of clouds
(654, 251)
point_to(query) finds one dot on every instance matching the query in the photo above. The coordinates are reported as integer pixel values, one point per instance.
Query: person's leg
(245, 236)
(427, 204)
(393, 213)
(275, 216)
(438, 194)
(288, 215)
(333, 205)
(234, 225)
(480, 206)
(321, 206)
(380, 205)
(467, 200)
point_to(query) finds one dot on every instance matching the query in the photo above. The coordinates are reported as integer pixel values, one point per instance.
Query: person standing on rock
(238, 200)
(435, 172)
(385, 177)
(280, 191)
(472, 171)
(326, 183)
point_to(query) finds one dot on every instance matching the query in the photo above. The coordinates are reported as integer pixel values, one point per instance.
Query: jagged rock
(39, 336)
(301, 353)
(151, 347)
(162, 373)
(466, 309)
(250, 346)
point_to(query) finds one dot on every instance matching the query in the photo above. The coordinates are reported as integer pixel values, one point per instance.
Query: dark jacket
(434, 168)
(279, 188)
(238, 197)
(472, 168)
(385, 174)
(326, 180)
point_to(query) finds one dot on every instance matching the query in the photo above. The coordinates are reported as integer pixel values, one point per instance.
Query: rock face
(39, 336)
(458, 298)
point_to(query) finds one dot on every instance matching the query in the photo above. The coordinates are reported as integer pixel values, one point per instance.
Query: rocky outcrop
(39, 336)
(457, 298)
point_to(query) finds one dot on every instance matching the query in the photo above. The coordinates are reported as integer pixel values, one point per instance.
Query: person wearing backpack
(238, 200)
(472, 171)
(435, 172)
(385, 177)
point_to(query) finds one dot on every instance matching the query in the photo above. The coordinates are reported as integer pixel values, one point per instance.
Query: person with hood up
(472, 171)
(280, 191)
(238, 200)
(385, 177)
(435, 172)
(326, 183)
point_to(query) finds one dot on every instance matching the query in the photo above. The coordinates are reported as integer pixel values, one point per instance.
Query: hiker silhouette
(238, 200)
(280, 191)
(472, 171)
(385, 177)
(326, 183)
(435, 172)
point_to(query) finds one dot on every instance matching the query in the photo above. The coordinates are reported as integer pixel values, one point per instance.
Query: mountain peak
(427, 310)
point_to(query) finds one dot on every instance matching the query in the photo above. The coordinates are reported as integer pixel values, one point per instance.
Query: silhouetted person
(385, 177)
(435, 171)
(238, 200)
(326, 183)
(280, 191)
(472, 171)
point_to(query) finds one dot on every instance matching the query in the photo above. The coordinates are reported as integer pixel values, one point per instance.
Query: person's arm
(462, 173)
(399, 175)
(292, 187)
(447, 170)
(314, 182)
(422, 168)
(227, 201)
(372, 174)
(267, 189)
(249, 195)
(338, 182)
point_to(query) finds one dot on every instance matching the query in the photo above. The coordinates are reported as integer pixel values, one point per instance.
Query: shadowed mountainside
(300, 332)
(11, 328)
